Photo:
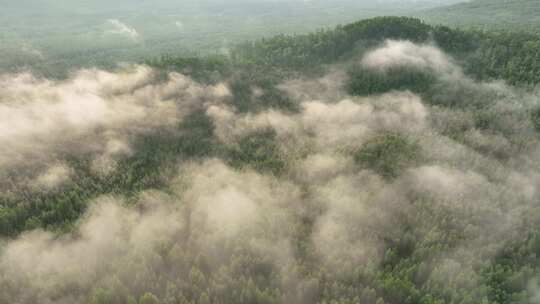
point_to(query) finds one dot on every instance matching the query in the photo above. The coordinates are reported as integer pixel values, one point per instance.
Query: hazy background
(61, 33)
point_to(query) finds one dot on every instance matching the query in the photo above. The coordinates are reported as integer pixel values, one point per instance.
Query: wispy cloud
(121, 28)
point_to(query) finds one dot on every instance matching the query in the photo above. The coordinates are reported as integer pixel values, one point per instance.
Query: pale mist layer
(214, 211)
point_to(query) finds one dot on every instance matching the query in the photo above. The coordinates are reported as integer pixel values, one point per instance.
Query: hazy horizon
(61, 33)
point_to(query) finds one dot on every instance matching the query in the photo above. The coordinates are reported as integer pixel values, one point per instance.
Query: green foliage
(306, 52)
(365, 81)
(382, 28)
(535, 118)
(204, 69)
(455, 41)
(259, 151)
(107, 296)
(388, 154)
(197, 136)
(149, 298)
(512, 56)
(254, 95)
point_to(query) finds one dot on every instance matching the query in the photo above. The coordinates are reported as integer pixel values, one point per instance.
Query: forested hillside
(383, 161)
(488, 14)
(55, 36)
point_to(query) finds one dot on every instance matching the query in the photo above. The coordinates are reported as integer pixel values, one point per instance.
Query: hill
(488, 14)
(68, 34)
(383, 161)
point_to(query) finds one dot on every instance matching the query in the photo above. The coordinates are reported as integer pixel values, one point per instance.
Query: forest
(487, 14)
(59, 35)
(54, 37)
(385, 161)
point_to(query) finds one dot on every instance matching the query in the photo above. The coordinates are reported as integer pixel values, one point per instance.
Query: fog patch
(122, 29)
(94, 113)
(54, 176)
(406, 53)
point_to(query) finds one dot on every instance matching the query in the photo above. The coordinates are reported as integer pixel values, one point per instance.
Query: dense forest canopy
(382, 161)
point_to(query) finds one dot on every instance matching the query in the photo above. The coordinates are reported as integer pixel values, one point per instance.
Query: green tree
(148, 298)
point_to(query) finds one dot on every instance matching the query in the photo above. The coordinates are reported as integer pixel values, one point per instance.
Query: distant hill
(73, 33)
(487, 14)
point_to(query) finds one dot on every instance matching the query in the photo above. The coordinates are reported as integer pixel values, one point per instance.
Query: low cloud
(179, 24)
(30, 50)
(472, 188)
(120, 28)
(93, 114)
(405, 53)
(54, 176)
(346, 122)
(218, 210)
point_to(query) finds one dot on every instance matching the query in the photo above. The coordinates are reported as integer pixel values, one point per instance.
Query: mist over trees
(382, 161)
